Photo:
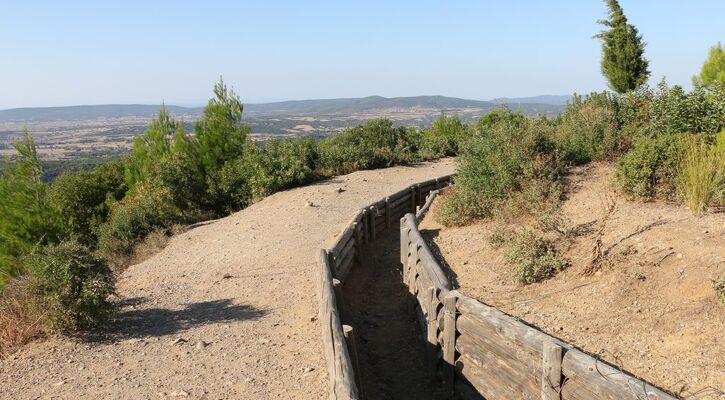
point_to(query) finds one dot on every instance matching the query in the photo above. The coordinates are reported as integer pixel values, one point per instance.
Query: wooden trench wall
(478, 352)
(474, 350)
(335, 264)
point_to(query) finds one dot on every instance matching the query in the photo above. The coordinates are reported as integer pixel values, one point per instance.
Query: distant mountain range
(556, 100)
(530, 105)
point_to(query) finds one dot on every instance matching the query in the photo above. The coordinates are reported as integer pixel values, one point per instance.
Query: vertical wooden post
(349, 334)
(412, 199)
(331, 260)
(432, 314)
(449, 340)
(403, 242)
(358, 242)
(551, 373)
(337, 285)
(387, 213)
(412, 267)
(372, 223)
(365, 220)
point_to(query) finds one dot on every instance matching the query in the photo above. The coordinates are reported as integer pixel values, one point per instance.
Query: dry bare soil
(650, 307)
(226, 310)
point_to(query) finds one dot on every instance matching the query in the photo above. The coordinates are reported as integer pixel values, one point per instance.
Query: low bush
(442, 139)
(533, 257)
(376, 144)
(144, 210)
(72, 287)
(459, 207)
(675, 111)
(701, 172)
(279, 165)
(650, 167)
(19, 324)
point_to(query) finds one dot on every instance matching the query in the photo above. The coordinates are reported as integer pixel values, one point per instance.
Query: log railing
(479, 352)
(335, 265)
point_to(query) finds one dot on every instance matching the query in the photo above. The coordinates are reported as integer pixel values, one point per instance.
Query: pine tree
(623, 62)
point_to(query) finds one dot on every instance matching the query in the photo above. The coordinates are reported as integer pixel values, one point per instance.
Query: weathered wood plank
(551, 372)
(449, 349)
(604, 381)
(388, 219)
(371, 224)
(521, 375)
(492, 382)
(339, 364)
(349, 334)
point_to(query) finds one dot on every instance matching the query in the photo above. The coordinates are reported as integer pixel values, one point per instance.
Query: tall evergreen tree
(623, 62)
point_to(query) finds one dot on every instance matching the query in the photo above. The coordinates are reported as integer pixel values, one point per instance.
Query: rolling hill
(309, 107)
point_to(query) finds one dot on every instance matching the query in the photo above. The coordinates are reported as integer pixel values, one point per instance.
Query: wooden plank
(520, 376)
(449, 348)
(491, 382)
(404, 242)
(551, 373)
(345, 265)
(345, 248)
(339, 365)
(604, 381)
(396, 202)
(400, 194)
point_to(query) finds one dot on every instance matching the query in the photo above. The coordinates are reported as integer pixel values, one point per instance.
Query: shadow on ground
(132, 321)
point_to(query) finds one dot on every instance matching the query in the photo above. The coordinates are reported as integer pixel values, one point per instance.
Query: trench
(392, 357)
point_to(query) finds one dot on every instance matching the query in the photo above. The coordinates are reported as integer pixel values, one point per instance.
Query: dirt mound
(650, 308)
(226, 310)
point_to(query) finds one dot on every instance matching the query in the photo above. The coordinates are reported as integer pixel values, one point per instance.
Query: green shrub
(676, 111)
(72, 287)
(589, 130)
(443, 137)
(533, 257)
(701, 172)
(279, 165)
(144, 210)
(459, 207)
(82, 199)
(376, 144)
(650, 166)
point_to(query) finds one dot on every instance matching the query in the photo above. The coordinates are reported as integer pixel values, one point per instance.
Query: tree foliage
(27, 221)
(623, 61)
(713, 70)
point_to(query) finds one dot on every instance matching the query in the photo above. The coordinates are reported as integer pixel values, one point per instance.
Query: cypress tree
(623, 62)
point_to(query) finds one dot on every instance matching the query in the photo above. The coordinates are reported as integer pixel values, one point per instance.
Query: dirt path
(227, 310)
(391, 351)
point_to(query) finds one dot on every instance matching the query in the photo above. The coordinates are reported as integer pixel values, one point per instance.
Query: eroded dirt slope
(650, 307)
(225, 311)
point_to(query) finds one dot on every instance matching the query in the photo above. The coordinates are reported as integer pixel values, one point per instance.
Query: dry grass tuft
(20, 323)
(702, 170)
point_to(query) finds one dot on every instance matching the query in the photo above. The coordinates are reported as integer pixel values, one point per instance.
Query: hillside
(346, 106)
(649, 308)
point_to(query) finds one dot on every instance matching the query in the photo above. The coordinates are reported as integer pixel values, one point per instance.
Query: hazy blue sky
(73, 52)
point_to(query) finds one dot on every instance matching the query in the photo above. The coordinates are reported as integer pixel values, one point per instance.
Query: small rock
(201, 344)
(309, 204)
(308, 369)
(339, 190)
(59, 383)
(313, 318)
(679, 255)
(226, 276)
(178, 340)
(180, 393)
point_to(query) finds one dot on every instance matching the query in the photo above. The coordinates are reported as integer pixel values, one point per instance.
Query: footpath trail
(226, 311)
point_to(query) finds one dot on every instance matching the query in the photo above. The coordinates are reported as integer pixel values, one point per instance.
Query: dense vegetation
(62, 241)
